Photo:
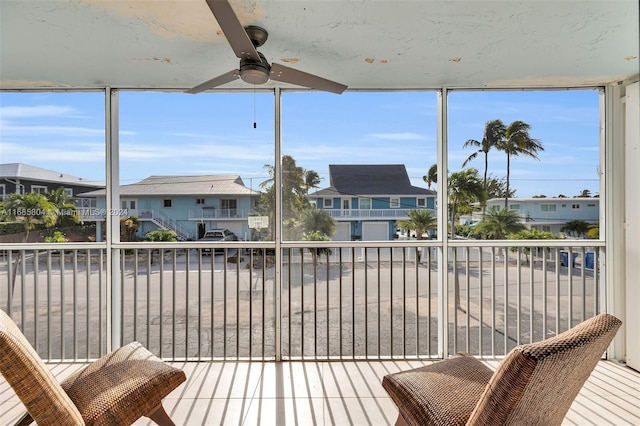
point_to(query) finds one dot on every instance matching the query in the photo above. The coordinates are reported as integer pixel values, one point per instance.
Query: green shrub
(162, 235)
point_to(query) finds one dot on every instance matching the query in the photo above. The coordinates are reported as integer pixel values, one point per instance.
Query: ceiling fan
(254, 68)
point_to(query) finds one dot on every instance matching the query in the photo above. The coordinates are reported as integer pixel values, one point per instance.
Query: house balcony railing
(207, 213)
(346, 300)
(364, 214)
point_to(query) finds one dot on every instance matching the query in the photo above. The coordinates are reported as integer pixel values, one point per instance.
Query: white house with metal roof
(551, 214)
(189, 205)
(367, 200)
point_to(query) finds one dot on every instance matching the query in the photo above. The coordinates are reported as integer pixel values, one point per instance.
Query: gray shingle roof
(25, 171)
(184, 185)
(370, 179)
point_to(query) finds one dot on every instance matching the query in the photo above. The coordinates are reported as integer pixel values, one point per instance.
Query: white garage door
(343, 232)
(375, 231)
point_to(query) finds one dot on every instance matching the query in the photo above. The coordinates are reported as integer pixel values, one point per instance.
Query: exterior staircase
(165, 222)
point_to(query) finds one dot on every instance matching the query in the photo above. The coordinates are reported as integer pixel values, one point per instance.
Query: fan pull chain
(254, 106)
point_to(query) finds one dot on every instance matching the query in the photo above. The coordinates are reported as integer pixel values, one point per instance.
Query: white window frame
(394, 202)
(68, 191)
(40, 189)
(3, 192)
(327, 203)
(575, 206)
(421, 202)
(514, 206)
(548, 207)
(368, 200)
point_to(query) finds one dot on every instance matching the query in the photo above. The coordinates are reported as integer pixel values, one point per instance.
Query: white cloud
(73, 153)
(9, 129)
(402, 136)
(36, 111)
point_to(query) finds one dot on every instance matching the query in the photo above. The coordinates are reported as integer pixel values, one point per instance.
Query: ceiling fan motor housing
(254, 72)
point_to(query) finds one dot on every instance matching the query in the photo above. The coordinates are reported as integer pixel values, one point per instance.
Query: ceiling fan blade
(233, 29)
(301, 78)
(214, 82)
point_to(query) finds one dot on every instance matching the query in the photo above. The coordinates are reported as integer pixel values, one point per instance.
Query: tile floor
(333, 393)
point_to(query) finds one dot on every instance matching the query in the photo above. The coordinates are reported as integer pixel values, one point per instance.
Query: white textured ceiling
(364, 44)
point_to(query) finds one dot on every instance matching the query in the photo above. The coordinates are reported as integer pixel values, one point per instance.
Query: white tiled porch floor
(333, 393)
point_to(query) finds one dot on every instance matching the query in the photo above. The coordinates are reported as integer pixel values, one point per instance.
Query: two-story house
(551, 214)
(367, 200)
(22, 178)
(188, 205)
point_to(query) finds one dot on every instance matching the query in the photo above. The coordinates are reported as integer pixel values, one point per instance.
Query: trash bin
(589, 258)
(565, 259)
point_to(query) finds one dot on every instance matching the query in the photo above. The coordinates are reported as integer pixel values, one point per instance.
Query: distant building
(188, 205)
(368, 200)
(22, 179)
(551, 214)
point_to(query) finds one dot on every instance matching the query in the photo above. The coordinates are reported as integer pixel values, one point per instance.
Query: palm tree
(318, 220)
(420, 221)
(311, 179)
(317, 225)
(465, 188)
(499, 223)
(577, 228)
(494, 134)
(517, 141)
(31, 209)
(294, 195)
(67, 211)
(431, 176)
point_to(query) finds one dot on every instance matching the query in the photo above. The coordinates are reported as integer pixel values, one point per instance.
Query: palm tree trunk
(485, 195)
(506, 195)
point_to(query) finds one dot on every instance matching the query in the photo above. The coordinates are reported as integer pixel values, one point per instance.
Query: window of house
(166, 203)
(68, 192)
(229, 207)
(394, 202)
(365, 203)
(575, 206)
(199, 200)
(422, 202)
(327, 203)
(128, 204)
(548, 207)
(3, 193)
(39, 189)
(229, 204)
(546, 228)
(514, 206)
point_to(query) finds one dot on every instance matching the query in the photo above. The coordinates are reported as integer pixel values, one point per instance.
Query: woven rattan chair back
(31, 380)
(537, 383)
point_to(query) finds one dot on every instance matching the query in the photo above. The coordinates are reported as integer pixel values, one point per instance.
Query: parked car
(217, 235)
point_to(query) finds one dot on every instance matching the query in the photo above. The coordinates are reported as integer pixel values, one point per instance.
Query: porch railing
(354, 214)
(335, 301)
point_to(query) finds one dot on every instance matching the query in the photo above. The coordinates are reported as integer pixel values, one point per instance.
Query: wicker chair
(117, 389)
(534, 385)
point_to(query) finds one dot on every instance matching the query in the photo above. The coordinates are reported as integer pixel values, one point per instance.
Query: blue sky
(180, 134)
